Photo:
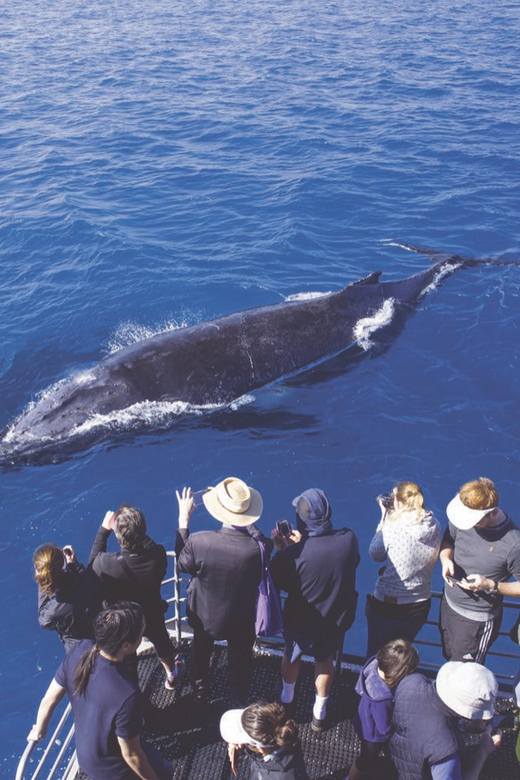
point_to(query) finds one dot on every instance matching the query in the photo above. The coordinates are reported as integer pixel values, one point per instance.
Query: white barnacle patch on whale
(365, 326)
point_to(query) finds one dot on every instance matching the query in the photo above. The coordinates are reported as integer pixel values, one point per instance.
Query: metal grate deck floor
(188, 734)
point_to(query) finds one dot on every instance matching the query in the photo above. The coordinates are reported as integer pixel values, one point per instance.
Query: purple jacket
(373, 720)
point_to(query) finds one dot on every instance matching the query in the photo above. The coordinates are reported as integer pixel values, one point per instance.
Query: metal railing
(60, 758)
(505, 679)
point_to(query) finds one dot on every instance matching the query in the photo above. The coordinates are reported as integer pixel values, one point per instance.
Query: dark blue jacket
(373, 719)
(425, 731)
(286, 764)
(319, 575)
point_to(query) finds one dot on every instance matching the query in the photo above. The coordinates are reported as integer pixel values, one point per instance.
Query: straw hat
(234, 503)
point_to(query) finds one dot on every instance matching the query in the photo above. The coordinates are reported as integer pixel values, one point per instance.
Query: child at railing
(376, 685)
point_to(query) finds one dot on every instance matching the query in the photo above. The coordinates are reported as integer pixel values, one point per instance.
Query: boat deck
(188, 734)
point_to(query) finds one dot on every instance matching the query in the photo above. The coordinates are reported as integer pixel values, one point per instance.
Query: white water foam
(444, 270)
(366, 326)
(152, 414)
(131, 332)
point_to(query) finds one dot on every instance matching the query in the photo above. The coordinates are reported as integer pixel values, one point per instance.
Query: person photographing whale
(315, 565)
(135, 574)
(226, 569)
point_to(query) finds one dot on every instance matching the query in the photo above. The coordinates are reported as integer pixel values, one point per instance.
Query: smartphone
(283, 527)
(453, 579)
(197, 496)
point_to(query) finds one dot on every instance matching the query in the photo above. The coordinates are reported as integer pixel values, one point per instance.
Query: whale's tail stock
(440, 255)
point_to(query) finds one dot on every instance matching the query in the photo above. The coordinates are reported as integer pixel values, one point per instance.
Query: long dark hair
(266, 723)
(123, 622)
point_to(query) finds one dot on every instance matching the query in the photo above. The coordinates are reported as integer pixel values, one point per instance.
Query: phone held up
(283, 527)
(197, 496)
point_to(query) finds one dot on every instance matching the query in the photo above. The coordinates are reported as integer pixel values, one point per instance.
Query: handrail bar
(20, 772)
(59, 757)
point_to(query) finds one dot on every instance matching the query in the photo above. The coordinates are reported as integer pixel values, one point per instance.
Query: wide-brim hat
(233, 732)
(467, 688)
(462, 516)
(233, 502)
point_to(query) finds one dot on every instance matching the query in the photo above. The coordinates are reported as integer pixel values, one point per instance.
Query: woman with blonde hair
(408, 540)
(69, 596)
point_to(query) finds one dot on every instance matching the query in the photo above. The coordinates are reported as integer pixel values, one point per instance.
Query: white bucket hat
(467, 688)
(234, 503)
(462, 516)
(233, 732)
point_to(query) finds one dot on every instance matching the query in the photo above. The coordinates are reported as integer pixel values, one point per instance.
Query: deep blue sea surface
(166, 162)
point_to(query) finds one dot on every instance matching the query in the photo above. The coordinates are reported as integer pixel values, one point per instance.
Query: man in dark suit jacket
(135, 574)
(226, 570)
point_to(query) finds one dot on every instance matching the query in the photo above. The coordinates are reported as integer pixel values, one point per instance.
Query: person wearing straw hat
(427, 736)
(226, 569)
(480, 537)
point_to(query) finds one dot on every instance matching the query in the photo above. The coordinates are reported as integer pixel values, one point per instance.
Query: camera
(387, 499)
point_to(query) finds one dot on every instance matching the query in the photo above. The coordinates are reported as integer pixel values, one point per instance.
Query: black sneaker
(318, 724)
(200, 691)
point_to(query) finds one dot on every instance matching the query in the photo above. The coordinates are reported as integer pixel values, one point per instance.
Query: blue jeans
(382, 629)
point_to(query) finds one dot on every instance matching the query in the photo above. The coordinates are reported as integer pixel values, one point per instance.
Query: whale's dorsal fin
(371, 278)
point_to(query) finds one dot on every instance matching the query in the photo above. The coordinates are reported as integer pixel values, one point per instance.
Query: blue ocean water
(167, 162)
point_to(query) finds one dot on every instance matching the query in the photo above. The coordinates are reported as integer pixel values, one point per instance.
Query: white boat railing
(58, 759)
(56, 756)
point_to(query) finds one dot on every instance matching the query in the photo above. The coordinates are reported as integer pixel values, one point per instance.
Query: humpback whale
(214, 363)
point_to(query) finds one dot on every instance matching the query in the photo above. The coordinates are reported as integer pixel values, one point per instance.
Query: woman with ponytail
(106, 701)
(69, 596)
(408, 540)
(269, 740)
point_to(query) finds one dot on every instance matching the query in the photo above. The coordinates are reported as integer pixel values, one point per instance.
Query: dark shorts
(464, 639)
(297, 644)
(369, 754)
(393, 621)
